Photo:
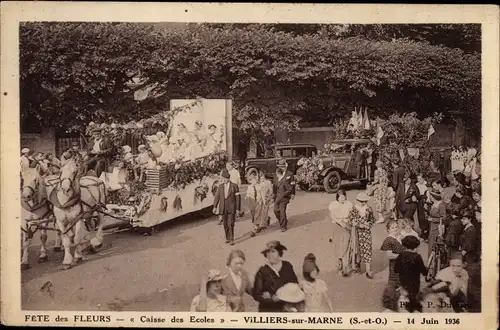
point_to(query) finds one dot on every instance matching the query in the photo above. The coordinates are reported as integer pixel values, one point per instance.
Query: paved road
(162, 272)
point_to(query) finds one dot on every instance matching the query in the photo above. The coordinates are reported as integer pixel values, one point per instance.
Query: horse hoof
(95, 249)
(25, 266)
(43, 259)
(57, 249)
(65, 267)
(77, 261)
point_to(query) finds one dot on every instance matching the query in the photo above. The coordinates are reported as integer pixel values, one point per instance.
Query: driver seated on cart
(99, 150)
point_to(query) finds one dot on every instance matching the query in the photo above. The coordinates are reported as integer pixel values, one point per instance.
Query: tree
(275, 78)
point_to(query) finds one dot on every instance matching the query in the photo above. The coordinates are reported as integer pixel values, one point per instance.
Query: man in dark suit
(398, 185)
(227, 204)
(99, 150)
(411, 197)
(283, 191)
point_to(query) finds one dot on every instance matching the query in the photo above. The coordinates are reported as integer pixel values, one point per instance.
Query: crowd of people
(418, 211)
(275, 287)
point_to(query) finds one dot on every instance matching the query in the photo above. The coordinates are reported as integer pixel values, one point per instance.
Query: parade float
(186, 148)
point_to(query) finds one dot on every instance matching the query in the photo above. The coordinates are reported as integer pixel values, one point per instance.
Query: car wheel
(332, 182)
(251, 171)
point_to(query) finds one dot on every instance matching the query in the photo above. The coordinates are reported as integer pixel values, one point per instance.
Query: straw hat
(214, 275)
(127, 149)
(291, 293)
(362, 197)
(25, 151)
(141, 147)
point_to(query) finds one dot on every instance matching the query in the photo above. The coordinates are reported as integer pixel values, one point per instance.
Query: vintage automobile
(290, 152)
(340, 164)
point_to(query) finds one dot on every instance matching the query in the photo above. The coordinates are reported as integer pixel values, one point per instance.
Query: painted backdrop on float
(214, 115)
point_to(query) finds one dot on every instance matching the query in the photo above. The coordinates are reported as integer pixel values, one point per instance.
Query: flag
(380, 133)
(360, 118)
(367, 120)
(402, 154)
(430, 132)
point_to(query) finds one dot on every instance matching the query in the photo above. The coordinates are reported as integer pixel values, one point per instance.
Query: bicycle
(439, 255)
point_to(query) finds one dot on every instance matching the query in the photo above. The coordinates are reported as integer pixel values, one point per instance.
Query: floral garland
(117, 132)
(308, 172)
(200, 193)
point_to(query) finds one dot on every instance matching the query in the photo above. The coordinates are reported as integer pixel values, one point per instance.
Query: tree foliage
(72, 73)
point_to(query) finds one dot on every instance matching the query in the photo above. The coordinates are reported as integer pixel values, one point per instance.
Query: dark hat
(436, 195)
(412, 177)
(456, 255)
(310, 264)
(410, 242)
(281, 163)
(225, 174)
(465, 213)
(273, 245)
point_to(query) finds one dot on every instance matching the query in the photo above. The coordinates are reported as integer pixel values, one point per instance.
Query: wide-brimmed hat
(25, 151)
(141, 147)
(225, 174)
(362, 197)
(281, 163)
(127, 149)
(291, 293)
(273, 245)
(214, 275)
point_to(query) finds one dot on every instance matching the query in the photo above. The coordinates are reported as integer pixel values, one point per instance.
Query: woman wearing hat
(437, 212)
(210, 298)
(271, 277)
(293, 298)
(361, 219)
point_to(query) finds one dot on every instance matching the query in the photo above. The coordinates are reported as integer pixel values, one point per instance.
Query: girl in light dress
(210, 298)
(315, 289)
(212, 143)
(141, 162)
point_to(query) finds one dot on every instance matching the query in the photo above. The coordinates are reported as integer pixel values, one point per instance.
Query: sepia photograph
(251, 167)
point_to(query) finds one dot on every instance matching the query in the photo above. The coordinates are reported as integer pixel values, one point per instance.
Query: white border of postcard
(14, 12)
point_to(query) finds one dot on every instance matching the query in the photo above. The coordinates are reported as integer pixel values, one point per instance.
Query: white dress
(315, 301)
(213, 305)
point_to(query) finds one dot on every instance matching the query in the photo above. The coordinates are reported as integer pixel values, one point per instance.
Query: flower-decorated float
(167, 165)
(400, 136)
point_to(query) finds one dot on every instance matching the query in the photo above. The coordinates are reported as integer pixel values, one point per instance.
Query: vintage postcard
(249, 165)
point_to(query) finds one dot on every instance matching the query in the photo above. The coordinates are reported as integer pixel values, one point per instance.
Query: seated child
(458, 280)
(409, 265)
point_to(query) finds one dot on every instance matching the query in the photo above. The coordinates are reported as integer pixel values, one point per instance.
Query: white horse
(37, 212)
(75, 200)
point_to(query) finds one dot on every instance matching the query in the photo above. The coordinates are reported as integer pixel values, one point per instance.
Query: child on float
(315, 289)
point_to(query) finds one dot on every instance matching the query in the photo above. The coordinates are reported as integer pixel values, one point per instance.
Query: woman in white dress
(212, 142)
(339, 210)
(196, 149)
